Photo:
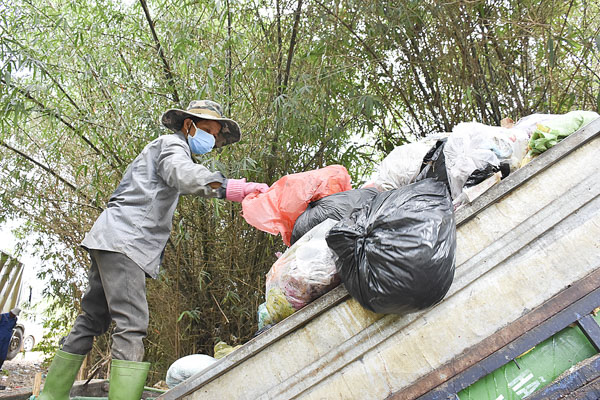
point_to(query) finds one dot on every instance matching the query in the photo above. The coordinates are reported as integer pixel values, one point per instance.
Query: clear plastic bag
(551, 132)
(302, 274)
(264, 318)
(473, 146)
(276, 210)
(508, 144)
(401, 166)
(222, 349)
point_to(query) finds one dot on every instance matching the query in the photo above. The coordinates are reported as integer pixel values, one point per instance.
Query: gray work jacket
(137, 220)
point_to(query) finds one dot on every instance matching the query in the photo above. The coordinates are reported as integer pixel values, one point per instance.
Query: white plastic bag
(304, 272)
(403, 164)
(187, 366)
(400, 166)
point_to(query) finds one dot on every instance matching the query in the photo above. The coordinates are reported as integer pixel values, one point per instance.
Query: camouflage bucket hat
(204, 109)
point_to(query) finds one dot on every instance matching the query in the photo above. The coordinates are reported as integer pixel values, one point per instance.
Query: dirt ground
(19, 372)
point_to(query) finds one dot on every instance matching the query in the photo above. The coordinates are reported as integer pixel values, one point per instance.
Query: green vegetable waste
(549, 134)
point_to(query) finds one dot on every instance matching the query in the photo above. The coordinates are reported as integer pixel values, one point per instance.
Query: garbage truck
(519, 321)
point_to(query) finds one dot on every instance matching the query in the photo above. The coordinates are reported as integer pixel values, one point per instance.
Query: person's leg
(4, 343)
(125, 288)
(94, 319)
(124, 285)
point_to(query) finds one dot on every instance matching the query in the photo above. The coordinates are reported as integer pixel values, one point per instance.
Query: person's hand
(238, 189)
(252, 187)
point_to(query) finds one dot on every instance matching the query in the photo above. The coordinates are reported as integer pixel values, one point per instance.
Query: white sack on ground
(187, 366)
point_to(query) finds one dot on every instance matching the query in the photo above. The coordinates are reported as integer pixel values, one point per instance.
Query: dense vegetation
(311, 82)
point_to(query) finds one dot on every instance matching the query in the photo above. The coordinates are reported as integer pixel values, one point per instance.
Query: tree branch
(279, 50)
(50, 171)
(228, 110)
(288, 66)
(53, 113)
(159, 49)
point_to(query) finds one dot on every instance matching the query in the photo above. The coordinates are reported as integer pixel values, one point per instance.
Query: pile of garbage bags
(392, 243)
(474, 152)
(394, 251)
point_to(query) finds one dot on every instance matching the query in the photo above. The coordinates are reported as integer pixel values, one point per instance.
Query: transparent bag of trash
(473, 146)
(302, 274)
(549, 133)
(264, 318)
(223, 349)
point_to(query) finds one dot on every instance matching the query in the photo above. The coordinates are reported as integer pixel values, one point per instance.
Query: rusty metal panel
(557, 321)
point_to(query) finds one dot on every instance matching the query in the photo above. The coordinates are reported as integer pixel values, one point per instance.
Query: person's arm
(178, 170)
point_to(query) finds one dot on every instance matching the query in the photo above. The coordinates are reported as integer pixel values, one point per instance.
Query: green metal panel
(11, 274)
(535, 369)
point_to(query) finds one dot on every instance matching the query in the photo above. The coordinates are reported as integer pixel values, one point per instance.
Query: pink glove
(237, 189)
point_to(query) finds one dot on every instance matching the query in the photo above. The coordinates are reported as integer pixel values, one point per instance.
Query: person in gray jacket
(127, 241)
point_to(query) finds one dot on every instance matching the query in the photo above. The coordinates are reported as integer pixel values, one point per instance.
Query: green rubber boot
(127, 379)
(61, 375)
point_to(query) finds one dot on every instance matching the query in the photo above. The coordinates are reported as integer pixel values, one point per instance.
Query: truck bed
(522, 243)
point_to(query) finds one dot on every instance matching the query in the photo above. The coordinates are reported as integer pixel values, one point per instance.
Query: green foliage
(83, 84)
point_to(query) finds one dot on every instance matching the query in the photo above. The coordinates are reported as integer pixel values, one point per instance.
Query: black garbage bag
(434, 164)
(397, 254)
(335, 206)
(481, 174)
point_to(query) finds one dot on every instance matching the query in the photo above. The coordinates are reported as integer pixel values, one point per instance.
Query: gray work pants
(116, 291)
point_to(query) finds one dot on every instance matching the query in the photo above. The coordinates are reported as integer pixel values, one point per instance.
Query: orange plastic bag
(276, 210)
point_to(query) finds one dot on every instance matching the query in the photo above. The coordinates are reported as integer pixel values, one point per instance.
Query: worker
(127, 242)
(7, 325)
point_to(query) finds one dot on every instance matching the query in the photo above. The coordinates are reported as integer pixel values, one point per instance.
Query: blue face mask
(202, 142)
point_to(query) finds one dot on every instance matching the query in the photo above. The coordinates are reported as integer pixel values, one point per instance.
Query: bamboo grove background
(311, 82)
